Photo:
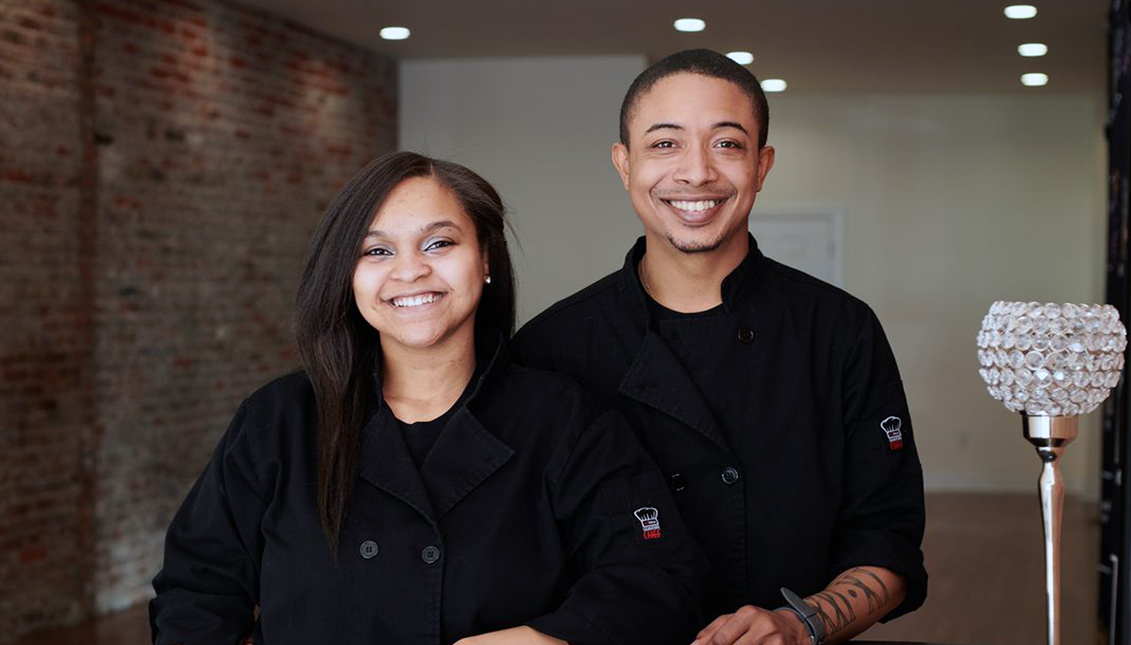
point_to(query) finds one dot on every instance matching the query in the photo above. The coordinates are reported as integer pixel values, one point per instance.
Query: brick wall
(45, 321)
(159, 181)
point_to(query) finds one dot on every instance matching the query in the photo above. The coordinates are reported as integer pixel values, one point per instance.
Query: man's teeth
(695, 207)
(415, 301)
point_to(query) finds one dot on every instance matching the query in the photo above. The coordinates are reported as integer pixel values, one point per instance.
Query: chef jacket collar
(656, 377)
(464, 455)
(736, 287)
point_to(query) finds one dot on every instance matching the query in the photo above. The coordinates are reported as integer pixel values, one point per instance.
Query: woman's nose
(411, 267)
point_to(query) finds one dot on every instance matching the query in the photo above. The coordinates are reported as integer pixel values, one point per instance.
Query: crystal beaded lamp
(1052, 363)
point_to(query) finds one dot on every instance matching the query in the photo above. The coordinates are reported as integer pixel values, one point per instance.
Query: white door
(807, 240)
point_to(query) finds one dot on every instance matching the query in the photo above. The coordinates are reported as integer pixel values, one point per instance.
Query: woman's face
(420, 273)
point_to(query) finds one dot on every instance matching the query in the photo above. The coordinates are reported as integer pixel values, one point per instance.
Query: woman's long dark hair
(338, 348)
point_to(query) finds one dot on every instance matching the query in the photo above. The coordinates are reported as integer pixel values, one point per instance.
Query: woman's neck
(422, 384)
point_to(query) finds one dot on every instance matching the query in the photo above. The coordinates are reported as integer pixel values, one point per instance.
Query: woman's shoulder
(289, 390)
(282, 407)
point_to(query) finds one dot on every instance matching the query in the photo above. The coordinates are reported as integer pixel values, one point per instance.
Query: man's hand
(851, 603)
(754, 626)
(514, 636)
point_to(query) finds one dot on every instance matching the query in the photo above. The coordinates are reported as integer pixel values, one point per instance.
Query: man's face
(693, 166)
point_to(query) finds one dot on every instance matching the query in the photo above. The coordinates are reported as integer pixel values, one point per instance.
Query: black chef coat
(794, 480)
(530, 508)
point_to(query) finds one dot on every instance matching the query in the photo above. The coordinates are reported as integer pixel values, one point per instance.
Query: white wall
(952, 202)
(539, 129)
(949, 202)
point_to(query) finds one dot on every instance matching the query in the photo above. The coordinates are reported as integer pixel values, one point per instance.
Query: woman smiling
(411, 484)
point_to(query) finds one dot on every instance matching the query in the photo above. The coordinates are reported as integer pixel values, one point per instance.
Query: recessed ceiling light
(742, 58)
(1030, 50)
(1034, 79)
(689, 24)
(1020, 11)
(395, 33)
(774, 85)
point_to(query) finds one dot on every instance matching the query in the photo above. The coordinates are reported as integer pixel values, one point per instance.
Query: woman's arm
(515, 636)
(207, 587)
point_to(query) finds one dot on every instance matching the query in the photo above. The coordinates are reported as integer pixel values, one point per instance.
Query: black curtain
(1115, 515)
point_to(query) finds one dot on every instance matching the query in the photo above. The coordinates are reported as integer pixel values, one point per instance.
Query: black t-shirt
(422, 435)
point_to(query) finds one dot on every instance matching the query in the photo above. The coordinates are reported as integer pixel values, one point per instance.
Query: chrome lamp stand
(1051, 362)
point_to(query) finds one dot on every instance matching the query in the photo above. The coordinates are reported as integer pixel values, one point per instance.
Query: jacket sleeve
(640, 573)
(882, 515)
(209, 583)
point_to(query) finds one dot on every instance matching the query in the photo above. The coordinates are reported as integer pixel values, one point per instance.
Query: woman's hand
(514, 636)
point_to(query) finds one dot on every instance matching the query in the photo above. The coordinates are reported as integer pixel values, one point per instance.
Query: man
(770, 400)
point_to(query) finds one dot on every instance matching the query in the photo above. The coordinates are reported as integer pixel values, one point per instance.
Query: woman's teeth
(416, 301)
(695, 207)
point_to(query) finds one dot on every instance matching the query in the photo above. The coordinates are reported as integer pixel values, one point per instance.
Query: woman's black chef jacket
(525, 511)
(800, 480)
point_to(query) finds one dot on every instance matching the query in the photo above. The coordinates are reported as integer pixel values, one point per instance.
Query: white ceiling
(816, 45)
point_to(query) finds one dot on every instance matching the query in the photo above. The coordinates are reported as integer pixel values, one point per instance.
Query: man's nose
(696, 167)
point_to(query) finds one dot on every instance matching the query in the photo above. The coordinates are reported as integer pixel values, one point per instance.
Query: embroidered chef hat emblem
(891, 427)
(649, 522)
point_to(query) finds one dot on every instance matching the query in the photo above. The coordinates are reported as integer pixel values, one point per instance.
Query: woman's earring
(487, 279)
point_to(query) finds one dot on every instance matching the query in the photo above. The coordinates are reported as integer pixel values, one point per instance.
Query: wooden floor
(985, 558)
(984, 554)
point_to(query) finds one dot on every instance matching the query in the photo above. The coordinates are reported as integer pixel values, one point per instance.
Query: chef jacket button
(745, 335)
(730, 475)
(677, 483)
(430, 554)
(369, 549)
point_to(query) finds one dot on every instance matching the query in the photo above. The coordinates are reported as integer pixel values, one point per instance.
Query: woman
(412, 485)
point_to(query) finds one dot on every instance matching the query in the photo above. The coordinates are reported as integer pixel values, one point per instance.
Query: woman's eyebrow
(427, 228)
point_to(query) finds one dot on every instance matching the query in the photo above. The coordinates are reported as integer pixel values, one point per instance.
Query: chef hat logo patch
(891, 427)
(649, 522)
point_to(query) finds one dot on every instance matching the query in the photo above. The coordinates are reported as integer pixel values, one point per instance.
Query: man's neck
(421, 385)
(689, 282)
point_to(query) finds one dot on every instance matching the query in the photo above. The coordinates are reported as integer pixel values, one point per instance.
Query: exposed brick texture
(159, 181)
(45, 320)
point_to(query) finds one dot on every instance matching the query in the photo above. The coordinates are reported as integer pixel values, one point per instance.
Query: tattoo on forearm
(856, 588)
(843, 613)
(836, 611)
(873, 576)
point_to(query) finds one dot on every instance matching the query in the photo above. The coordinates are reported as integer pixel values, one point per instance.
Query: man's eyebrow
(730, 124)
(673, 126)
(428, 228)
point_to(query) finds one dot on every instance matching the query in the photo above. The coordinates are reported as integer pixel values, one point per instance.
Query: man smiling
(771, 400)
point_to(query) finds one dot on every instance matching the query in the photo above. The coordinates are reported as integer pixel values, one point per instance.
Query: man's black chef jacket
(530, 508)
(779, 421)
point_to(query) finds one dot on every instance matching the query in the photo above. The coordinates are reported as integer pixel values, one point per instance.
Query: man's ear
(765, 163)
(620, 160)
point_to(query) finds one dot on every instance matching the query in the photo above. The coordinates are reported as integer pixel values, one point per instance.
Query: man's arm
(855, 600)
(852, 603)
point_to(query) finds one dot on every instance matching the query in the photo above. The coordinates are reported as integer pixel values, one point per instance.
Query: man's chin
(694, 246)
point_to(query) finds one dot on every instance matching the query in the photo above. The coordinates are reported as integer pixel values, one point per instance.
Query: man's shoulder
(568, 311)
(796, 288)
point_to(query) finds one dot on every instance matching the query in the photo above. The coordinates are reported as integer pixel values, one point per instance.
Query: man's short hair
(706, 63)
